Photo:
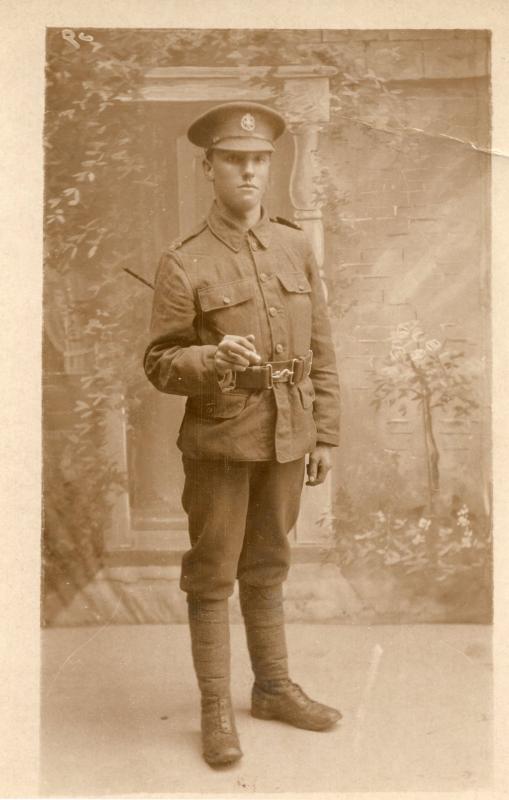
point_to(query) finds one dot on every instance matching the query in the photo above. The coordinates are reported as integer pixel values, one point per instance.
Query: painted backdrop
(386, 167)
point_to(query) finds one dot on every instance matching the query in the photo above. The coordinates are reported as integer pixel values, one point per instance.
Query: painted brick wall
(410, 238)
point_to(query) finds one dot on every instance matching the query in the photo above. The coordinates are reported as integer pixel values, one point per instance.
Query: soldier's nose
(248, 167)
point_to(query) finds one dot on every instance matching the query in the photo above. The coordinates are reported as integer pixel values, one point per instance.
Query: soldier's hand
(319, 464)
(235, 353)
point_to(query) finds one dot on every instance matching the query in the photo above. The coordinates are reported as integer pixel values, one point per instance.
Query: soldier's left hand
(319, 464)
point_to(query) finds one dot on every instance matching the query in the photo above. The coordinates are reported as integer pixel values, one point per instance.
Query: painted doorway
(181, 201)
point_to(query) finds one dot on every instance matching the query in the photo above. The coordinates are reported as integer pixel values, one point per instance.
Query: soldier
(239, 326)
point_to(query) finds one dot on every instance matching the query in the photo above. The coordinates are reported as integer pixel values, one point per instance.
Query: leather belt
(266, 375)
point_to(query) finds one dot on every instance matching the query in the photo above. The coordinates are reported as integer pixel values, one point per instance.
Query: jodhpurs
(240, 513)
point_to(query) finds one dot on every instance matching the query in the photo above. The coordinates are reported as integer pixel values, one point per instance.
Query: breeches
(240, 513)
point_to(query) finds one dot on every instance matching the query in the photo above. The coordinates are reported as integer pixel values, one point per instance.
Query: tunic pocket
(307, 392)
(296, 297)
(228, 307)
(295, 282)
(221, 406)
(228, 405)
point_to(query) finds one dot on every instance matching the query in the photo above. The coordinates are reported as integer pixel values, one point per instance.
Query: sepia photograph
(267, 559)
(266, 254)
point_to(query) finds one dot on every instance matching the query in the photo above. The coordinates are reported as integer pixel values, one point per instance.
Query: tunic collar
(229, 232)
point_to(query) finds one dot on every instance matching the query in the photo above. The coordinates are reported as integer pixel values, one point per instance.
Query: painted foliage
(402, 174)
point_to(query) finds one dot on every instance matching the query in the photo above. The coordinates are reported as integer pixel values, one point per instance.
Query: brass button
(272, 311)
(301, 287)
(254, 245)
(279, 348)
(263, 276)
(226, 300)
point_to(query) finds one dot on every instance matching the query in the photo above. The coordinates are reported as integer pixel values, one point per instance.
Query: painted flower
(390, 372)
(403, 330)
(418, 354)
(433, 345)
(424, 523)
(418, 539)
(397, 353)
(417, 334)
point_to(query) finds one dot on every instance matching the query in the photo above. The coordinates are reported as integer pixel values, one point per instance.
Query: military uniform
(221, 280)
(244, 435)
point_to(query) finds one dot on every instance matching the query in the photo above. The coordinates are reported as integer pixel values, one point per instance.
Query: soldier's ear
(208, 169)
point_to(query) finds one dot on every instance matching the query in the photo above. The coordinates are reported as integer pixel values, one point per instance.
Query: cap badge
(247, 123)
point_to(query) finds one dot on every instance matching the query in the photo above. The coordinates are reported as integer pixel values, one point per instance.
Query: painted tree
(422, 372)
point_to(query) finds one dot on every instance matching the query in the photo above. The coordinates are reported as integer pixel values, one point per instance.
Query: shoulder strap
(283, 221)
(177, 243)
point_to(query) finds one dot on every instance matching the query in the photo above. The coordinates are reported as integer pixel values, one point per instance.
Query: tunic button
(254, 245)
(279, 348)
(272, 311)
(301, 288)
(263, 276)
(226, 300)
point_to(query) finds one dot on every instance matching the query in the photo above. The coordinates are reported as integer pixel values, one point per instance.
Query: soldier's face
(240, 179)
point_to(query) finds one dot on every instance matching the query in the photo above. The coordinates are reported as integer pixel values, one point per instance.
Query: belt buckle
(281, 373)
(270, 382)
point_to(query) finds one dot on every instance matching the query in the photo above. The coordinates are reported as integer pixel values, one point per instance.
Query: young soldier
(239, 326)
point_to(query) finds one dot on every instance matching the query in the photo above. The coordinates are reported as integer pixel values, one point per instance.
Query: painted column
(306, 106)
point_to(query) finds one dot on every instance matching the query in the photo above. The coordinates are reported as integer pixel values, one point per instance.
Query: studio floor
(120, 712)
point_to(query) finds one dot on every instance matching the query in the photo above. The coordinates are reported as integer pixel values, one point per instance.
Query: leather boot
(210, 643)
(274, 695)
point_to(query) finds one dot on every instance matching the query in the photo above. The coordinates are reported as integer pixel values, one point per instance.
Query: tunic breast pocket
(228, 308)
(298, 306)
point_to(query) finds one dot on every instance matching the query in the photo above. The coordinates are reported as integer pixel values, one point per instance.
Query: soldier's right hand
(235, 353)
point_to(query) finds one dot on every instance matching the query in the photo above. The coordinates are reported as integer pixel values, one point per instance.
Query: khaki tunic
(223, 280)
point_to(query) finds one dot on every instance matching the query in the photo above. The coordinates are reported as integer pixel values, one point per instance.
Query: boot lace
(223, 706)
(300, 696)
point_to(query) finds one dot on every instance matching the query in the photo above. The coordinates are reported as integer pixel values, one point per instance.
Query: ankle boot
(210, 643)
(274, 695)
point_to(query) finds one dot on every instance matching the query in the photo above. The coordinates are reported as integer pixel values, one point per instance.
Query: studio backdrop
(385, 164)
